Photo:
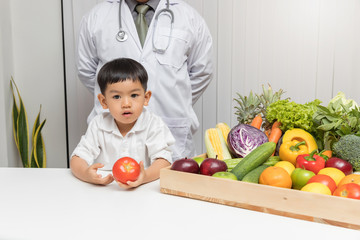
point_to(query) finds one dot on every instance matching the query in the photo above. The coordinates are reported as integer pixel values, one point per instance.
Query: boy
(128, 129)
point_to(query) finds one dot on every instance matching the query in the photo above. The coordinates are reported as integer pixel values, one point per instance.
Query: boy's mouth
(126, 113)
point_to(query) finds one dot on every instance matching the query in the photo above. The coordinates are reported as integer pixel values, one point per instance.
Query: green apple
(228, 175)
(300, 177)
(199, 160)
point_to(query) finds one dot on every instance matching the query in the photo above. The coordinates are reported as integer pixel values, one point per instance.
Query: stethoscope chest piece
(121, 36)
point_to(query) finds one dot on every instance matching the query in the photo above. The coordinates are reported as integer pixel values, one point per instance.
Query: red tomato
(324, 179)
(126, 169)
(349, 190)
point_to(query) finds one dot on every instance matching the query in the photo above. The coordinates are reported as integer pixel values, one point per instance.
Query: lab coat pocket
(180, 129)
(175, 54)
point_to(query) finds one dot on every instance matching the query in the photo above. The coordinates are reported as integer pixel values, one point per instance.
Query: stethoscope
(122, 36)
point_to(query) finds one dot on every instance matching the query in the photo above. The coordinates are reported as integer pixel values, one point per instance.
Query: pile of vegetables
(335, 127)
(312, 144)
(294, 128)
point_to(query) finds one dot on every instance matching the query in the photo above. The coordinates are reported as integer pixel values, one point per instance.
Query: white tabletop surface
(53, 204)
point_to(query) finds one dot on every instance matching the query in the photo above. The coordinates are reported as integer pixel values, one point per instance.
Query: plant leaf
(39, 147)
(33, 161)
(36, 124)
(22, 133)
(15, 113)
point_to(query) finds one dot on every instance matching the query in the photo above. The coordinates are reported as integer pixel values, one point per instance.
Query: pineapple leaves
(21, 133)
(250, 106)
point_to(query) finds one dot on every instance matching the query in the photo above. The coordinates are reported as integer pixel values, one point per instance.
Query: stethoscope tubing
(122, 36)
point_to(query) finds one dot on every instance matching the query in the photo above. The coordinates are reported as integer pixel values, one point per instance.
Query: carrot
(267, 132)
(257, 121)
(275, 135)
(276, 124)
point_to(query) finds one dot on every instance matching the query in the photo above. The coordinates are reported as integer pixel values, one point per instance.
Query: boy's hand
(94, 177)
(137, 182)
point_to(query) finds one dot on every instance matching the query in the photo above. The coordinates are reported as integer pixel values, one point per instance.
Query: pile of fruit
(307, 147)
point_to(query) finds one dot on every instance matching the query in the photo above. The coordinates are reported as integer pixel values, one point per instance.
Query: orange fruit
(316, 187)
(334, 173)
(288, 166)
(275, 176)
(351, 178)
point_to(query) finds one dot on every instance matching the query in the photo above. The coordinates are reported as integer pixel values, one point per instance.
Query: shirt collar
(108, 124)
(132, 4)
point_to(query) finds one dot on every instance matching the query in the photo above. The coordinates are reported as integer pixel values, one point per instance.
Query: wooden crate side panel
(284, 202)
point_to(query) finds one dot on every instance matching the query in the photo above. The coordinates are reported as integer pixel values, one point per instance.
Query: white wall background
(309, 48)
(31, 51)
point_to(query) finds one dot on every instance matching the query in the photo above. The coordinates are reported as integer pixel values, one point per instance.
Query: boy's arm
(81, 170)
(150, 174)
(153, 171)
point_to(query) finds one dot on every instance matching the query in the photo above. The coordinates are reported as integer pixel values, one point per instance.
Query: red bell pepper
(311, 162)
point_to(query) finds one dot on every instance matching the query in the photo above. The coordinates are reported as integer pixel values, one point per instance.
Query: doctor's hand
(95, 178)
(137, 182)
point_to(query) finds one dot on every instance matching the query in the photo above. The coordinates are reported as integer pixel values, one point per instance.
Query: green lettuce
(292, 114)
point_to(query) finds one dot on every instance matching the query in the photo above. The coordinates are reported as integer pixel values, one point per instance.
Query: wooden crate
(308, 206)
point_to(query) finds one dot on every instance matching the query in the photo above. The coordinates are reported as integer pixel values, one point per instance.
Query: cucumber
(254, 175)
(231, 163)
(254, 159)
(272, 160)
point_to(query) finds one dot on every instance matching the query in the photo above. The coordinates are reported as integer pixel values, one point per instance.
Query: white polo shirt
(149, 139)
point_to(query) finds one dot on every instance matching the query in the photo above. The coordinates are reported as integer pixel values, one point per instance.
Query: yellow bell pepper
(300, 135)
(290, 150)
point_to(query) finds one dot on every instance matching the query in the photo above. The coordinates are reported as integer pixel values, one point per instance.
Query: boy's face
(125, 101)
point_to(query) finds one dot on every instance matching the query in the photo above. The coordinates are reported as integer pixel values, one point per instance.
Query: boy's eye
(116, 96)
(134, 95)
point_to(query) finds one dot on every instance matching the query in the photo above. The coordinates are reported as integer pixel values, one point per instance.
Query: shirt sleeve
(87, 59)
(88, 147)
(200, 63)
(159, 141)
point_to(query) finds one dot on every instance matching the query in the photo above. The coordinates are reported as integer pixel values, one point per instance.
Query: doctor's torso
(168, 72)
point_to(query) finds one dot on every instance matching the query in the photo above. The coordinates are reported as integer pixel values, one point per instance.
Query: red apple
(212, 165)
(185, 165)
(340, 164)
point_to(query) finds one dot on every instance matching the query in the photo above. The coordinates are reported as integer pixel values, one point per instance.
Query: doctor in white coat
(177, 54)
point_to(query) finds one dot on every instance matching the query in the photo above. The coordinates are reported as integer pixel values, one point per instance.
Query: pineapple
(254, 104)
(249, 107)
(266, 98)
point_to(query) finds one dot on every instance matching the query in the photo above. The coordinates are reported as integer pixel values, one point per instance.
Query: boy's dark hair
(119, 70)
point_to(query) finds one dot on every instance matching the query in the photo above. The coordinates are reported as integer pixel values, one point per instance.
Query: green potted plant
(37, 156)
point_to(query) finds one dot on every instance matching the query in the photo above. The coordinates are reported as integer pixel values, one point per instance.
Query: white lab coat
(177, 78)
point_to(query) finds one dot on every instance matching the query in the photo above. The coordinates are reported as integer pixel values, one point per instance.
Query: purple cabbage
(243, 138)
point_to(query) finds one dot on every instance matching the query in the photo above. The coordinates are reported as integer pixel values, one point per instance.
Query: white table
(53, 204)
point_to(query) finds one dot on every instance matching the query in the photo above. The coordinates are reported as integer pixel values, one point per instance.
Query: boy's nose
(126, 102)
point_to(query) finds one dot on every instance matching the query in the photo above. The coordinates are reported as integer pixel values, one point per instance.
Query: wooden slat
(267, 199)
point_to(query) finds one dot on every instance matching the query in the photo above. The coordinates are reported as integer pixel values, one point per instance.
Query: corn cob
(225, 129)
(215, 144)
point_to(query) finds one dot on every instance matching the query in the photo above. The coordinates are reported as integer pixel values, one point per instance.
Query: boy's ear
(102, 101)
(147, 97)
